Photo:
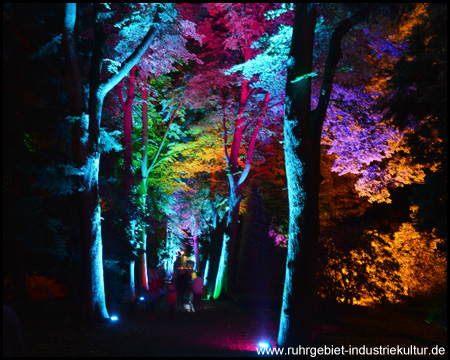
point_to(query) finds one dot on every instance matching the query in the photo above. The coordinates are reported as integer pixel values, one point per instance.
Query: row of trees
(207, 96)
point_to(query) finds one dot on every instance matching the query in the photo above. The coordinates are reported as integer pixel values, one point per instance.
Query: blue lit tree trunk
(146, 169)
(302, 132)
(215, 239)
(302, 172)
(228, 242)
(87, 108)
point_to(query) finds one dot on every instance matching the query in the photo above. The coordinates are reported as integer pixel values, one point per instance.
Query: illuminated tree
(202, 168)
(86, 110)
(394, 159)
(421, 265)
(168, 50)
(137, 231)
(302, 134)
(361, 133)
(367, 266)
(357, 267)
(372, 140)
(416, 97)
(229, 41)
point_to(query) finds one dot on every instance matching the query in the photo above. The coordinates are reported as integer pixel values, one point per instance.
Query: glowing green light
(305, 76)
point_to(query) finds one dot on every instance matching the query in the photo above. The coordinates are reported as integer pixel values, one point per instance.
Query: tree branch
(333, 58)
(72, 81)
(153, 165)
(119, 89)
(225, 133)
(251, 147)
(132, 60)
(276, 104)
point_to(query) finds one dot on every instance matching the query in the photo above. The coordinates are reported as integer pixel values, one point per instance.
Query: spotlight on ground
(264, 344)
(114, 318)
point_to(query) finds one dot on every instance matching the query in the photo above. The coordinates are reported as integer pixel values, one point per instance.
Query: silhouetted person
(182, 285)
(197, 291)
(13, 339)
(172, 299)
(154, 293)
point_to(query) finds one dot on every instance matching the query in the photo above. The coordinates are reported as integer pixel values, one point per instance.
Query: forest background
(143, 130)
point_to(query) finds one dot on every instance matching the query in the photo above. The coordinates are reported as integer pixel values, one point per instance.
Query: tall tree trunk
(127, 106)
(90, 227)
(302, 132)
(303, 182)
(228, 243)
(142, 237)
(195, 240)
(94, 305)
(129, 216)
(143, 188)
(85, 141)
(236, 177)
(87, 109)
(212, 260)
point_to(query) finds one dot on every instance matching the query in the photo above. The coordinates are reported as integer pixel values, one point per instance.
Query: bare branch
(154, 163)
(333, 58)
(225, 134)
(132, 60)
(251, 146)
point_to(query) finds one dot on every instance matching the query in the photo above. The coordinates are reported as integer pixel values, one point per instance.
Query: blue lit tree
(302, 134)
(86, 92)
(168, 51)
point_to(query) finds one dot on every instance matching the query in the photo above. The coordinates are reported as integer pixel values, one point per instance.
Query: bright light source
(114, 318)
(264, 344)
(141, 298)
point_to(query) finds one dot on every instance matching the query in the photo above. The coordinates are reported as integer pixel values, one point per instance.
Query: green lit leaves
(304, 77)
(28, 141)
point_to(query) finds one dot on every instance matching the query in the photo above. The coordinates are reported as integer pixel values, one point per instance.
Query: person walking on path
(182, 284)
(197, 291)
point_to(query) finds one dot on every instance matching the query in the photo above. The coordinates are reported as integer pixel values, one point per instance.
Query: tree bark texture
(302, 172)
(302, 132)
(86, 108)
(236, 177)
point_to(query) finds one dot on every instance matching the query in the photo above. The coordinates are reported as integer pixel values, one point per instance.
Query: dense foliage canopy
(191, 144)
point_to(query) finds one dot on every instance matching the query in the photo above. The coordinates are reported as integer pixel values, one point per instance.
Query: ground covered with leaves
(224, 328)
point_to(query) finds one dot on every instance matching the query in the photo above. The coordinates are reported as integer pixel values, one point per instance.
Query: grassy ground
(224, 328)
